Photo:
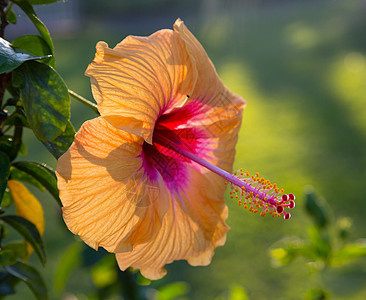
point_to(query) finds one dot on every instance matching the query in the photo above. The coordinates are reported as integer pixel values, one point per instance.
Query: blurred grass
(301, 67)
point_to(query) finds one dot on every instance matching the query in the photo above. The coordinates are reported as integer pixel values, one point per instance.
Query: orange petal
(138, 79)
(217, 103)
(192, 228)
(105, 193)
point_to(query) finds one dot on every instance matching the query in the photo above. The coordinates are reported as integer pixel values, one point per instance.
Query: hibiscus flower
(146, 179)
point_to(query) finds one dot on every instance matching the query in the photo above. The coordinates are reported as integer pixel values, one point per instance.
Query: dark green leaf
(7, 199)
(11, 252)
(30, 233)
(10, 59)
(35, 2)
(70, 260)
(7, 283)
(35, 45)
(4, 173)
(11, 17)
(25, 177)
(31, 277)
(316, 208)
(45, 99)
(42, 29)
(59, 146)
(43, 174)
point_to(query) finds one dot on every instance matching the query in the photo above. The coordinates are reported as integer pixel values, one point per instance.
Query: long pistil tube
(250, 191)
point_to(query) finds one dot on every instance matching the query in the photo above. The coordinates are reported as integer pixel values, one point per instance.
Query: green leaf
(10, 59)
(70, 260)
(35, 2)
(4, 173)
(31, 277)
(59, 146)
(42, 29)
(11, 17)
(45, 99)
(11, 252)
(320, 243)
(7, 257)
(36, 46)
(173, 290)
(25, 177)
(30, 233)
(349, 252)
(43, 174)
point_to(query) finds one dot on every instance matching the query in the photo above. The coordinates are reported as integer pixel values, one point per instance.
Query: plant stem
(86, 102)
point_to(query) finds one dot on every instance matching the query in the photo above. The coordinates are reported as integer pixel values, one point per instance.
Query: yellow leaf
(27, 206)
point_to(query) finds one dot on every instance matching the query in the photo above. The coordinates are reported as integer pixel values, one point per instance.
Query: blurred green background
(301, 66)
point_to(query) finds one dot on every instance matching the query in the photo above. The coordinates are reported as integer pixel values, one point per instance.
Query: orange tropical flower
(146, 179)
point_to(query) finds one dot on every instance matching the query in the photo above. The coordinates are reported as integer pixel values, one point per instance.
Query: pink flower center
(175, 146)
(161, 158)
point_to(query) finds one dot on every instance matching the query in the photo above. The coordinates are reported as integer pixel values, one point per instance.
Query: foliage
(32, 95)
(326, 250)
(327, 246)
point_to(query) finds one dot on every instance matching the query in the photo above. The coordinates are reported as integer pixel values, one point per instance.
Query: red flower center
(161, 158)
